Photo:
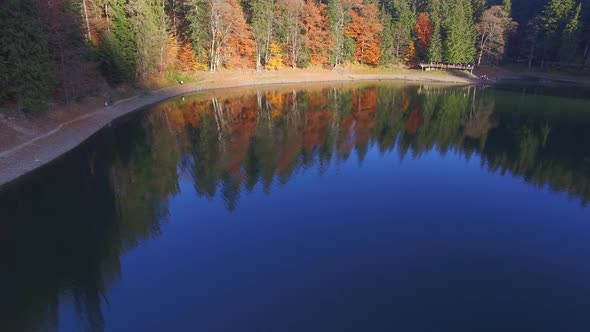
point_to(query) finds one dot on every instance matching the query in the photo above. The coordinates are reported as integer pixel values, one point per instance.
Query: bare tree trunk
(174, 17)
(481, 47)
(218, 119)
(267, 46)
(259, 100)
(212, 52)
(258, 62)
(106, 14)
(88, 35)
(586, 54)
(362, 52)
(531, 53)
(162, 58)
(294, 101)
(293, 56)
(63, 69)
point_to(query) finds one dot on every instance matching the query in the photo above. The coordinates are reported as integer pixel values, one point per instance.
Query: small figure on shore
(108, 102)
(181, 82)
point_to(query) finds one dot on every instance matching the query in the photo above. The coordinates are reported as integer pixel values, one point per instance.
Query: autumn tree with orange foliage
(365, 28)
(239, 49)
(230, 40)
(187, 59)
(317, 34)
(424, 30)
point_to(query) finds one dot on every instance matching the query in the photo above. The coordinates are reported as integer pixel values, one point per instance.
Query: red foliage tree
(414, 121)
(424, 30)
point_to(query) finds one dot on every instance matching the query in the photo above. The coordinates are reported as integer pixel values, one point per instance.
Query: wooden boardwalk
(437, 65)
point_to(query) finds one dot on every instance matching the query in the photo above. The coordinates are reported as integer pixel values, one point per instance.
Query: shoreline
(24, 158)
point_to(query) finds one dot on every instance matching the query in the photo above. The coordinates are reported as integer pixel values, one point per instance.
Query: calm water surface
(372, 207)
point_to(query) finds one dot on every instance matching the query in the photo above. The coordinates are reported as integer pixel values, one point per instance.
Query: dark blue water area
(379, 218)
(429, 244)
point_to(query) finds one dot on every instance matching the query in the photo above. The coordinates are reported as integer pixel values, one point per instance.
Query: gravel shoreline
(27, 157)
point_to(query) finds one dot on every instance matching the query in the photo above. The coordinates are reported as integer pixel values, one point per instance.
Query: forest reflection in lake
(305, 208)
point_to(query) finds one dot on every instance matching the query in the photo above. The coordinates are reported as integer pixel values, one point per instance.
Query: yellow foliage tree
(202, 62)
(411, 52)
(171, 56)
(276, 58)
(276, 101)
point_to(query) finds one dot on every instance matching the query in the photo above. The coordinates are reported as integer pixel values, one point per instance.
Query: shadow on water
(64, 228)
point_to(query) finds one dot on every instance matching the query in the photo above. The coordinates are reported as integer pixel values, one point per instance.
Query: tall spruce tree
(478, 7)
(387, 45)
(459, 45)
(149, 23)
(435, 48)
(403, 24)
(25, 74)
(196, 13)
(118, 50)
(560, 29)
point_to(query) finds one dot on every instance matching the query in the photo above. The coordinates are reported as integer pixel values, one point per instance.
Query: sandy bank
(46, 145)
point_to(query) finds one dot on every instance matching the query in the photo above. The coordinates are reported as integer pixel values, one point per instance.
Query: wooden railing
(438, 65)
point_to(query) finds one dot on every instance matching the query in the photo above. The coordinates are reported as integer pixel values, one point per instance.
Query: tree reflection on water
(65, 227)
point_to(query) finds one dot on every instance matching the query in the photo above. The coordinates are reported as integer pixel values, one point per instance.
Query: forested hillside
(58, 48)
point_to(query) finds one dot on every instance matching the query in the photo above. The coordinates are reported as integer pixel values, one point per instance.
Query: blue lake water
(357, 207)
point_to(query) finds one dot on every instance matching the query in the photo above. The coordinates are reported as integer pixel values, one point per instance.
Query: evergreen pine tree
(148, 22)
(460, 32)
(387, 46)
(560, 30)
(25, 74)
(197, 12)
(118, 50)
(403, 21)
(113, 63)
(478, 7)
(435, 48)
